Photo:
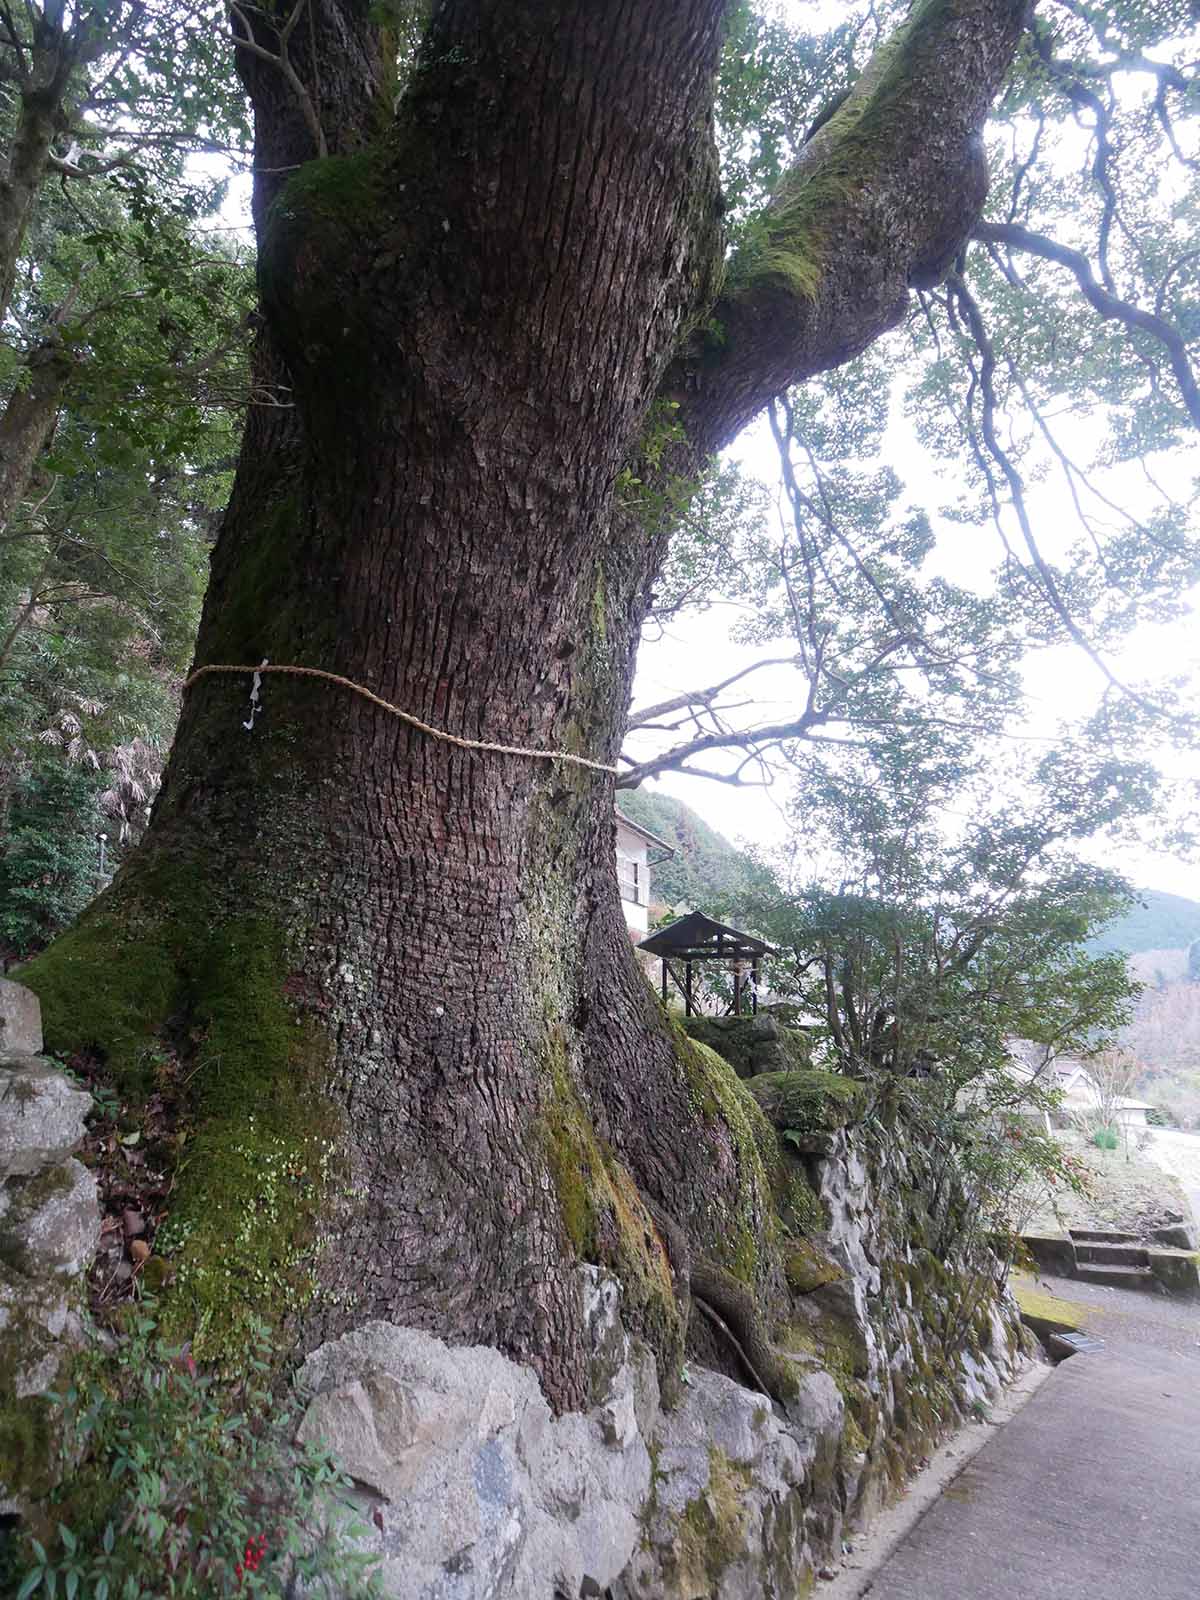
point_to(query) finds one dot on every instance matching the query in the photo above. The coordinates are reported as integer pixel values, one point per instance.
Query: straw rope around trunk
(405, 716)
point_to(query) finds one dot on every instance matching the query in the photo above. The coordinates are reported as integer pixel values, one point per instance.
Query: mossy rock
(808, 1102)
(752, 1045)
(712, 1533)
(735, 1039)
(807, 1267)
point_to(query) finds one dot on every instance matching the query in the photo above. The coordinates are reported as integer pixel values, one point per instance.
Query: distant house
(637, 851)
(1081, 1098)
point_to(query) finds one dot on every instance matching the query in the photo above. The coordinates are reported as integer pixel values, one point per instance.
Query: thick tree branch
(881, 199)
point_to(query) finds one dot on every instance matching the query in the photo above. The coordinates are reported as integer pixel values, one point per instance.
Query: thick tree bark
(477, 301)
(44, 72)
(28, 422)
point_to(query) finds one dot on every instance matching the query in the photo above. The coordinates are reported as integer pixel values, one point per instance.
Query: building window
(627, 877)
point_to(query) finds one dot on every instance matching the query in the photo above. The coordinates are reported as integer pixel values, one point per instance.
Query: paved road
(1090, 1492)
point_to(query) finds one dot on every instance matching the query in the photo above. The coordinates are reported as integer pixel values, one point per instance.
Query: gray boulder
(41, 1114)
(20, 1020)
(726, 1518)
(49, 1223)
(477, 1490)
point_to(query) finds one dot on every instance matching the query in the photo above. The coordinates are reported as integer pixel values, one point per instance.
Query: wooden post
(754, 987)
(687, 988)
(664, 980)
(737, 988)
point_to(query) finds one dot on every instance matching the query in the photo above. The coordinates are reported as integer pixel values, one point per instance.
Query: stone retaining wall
(49, 1224)
(477, 1492)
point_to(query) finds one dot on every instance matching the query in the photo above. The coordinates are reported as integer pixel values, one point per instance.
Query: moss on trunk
(154, 972)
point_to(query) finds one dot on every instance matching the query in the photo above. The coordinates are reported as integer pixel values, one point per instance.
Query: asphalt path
(1092, 1490)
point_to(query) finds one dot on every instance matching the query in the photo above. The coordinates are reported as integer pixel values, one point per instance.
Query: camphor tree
(428, 1077)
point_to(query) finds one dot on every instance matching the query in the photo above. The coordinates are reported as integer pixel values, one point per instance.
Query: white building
(1081, 1096)
(637, 851)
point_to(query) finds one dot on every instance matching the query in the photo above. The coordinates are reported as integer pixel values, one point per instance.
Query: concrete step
(1112, 1255)
(1116, 1277)
(1102, 1236)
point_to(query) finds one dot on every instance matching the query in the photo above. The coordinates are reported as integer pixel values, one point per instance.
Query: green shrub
(1106, 1138)
(190, 1490)
(48, 862)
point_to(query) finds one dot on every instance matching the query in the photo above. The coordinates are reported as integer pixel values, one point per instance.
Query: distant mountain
(1156, 921)
(706, 870)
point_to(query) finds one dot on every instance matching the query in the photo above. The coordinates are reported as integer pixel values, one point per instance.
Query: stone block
(1176, 1271)
(51, 1222)
(1053, 1252)
(481, 1491)
(20, 1020)
(1175, 1235)
(41, 1114)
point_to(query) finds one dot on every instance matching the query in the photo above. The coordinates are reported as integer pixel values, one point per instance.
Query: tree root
(734, 1309)
(729, 1305)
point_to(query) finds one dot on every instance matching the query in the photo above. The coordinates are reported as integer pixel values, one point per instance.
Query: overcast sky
(1062, 682)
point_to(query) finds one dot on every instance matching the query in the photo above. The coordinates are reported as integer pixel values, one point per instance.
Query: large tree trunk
(397, 967)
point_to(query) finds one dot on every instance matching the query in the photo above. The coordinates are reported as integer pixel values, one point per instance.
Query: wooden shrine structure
(698, 938)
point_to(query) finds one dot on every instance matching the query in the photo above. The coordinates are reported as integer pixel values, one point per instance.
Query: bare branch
(701, 697)
(1108, 305)
(281, 60)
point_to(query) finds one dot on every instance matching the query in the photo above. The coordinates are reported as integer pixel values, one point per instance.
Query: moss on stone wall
(712, 1532)
(808, 1102)
(807, 1267)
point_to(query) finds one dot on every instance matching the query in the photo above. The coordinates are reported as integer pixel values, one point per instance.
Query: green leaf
(70, 1543)
(31, 1582)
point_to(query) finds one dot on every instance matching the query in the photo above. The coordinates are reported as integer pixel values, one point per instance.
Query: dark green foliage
(180, 1477)
(48, 859)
